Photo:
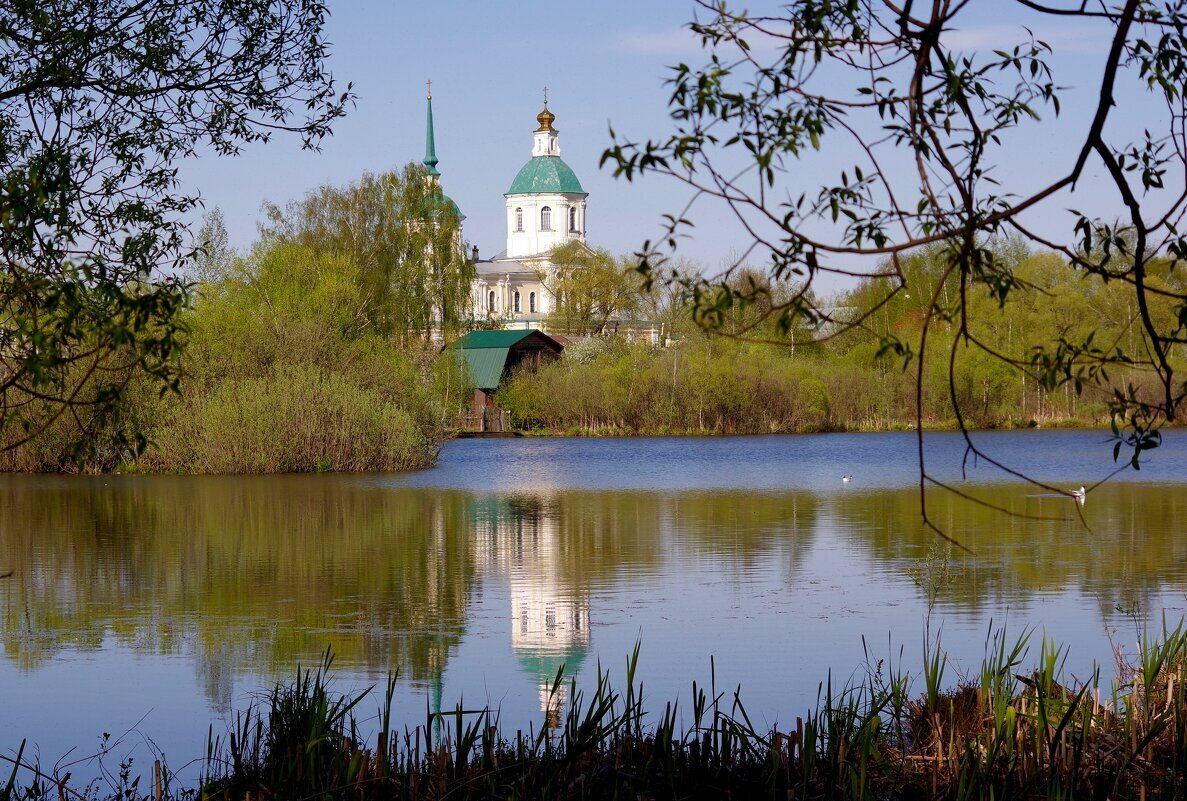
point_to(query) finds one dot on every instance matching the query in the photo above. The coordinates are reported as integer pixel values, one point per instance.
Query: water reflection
(246, 577)
(1124, 547)
(520, 537)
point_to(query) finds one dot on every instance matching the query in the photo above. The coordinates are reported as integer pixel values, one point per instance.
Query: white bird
(846, 479)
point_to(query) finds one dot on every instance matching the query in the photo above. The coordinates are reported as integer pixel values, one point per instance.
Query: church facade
(545, 209)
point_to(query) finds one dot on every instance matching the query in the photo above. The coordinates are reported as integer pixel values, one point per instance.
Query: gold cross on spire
(429, 89)
(546, 97)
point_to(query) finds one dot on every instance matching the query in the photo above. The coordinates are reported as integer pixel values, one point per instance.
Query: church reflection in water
(520, 537)
(247, 577)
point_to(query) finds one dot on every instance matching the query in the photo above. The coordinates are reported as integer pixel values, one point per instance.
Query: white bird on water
(846, 479)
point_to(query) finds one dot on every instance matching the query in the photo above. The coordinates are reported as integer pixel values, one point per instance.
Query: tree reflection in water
(248, 576)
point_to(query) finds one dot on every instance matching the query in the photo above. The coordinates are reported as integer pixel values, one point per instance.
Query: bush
(296, 418)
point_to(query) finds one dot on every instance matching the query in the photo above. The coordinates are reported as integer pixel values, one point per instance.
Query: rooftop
(546, 174)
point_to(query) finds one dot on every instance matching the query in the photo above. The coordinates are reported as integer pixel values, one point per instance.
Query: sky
(604, 64)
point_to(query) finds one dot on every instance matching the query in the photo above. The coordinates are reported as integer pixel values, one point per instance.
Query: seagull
(846, 479)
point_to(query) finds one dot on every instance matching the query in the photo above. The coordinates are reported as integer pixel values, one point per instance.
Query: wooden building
(492, 356)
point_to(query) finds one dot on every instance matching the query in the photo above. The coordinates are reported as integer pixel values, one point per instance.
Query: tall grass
(1000, 735)
(297, 418)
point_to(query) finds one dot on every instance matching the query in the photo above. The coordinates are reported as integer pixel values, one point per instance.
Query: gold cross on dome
(429, 89)
(546, 95)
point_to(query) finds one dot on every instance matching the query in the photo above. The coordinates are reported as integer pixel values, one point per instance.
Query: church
(545, 207)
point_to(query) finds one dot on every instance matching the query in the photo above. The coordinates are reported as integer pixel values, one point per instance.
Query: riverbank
(998, 734)
(612, 431)
(705, 385)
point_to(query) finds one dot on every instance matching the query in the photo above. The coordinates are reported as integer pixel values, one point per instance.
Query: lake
(150, 607)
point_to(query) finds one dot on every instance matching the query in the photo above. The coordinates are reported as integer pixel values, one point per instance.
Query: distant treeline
(810, 381)
(311, 352)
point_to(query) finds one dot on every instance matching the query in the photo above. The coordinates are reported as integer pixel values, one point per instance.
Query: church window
(490, 301)
(532, 302)
(546, 219)
(573, 218)
(517, 301)
(519, 219)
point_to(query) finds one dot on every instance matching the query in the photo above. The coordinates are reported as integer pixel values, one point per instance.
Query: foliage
(702, 386)
(731, 385)
(1001, 735)
(214, 256)
(287, 366)
(402, 238)
(916, 126)
(287, 373)
(591, 287)
(292, 418)
(98, 101)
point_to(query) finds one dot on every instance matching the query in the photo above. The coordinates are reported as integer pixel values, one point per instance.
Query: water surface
(154, 605)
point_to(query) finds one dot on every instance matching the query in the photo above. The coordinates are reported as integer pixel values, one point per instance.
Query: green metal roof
(545, 174)
(430, 142)
(486, 365)
(486, 352)
(448, 206)
(491, 339)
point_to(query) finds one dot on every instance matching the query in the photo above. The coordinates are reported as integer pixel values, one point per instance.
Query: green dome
(447, 206)
(545, 174)
(544, 663)
(453, 207)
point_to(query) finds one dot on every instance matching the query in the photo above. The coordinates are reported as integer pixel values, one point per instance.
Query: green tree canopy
(401, 235)
(909, 129)
(591, 288)
(99, 99)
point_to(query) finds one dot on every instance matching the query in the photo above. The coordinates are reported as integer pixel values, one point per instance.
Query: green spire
(430, 143)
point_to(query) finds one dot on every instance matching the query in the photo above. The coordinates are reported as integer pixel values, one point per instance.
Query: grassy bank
(998, 734)
(703, 385)
(943, 425)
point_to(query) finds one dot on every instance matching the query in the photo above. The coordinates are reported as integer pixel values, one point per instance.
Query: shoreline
(888, 732)
(624, 432)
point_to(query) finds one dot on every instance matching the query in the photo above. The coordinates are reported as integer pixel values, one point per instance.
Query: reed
(999, 735)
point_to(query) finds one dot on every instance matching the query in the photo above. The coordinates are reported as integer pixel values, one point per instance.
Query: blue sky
(489, 62)
(604, 63)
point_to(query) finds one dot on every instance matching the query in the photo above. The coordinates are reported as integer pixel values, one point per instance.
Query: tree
(591, 288)
(402, 236)
(99, 99)
(214, 257)
(920, 126)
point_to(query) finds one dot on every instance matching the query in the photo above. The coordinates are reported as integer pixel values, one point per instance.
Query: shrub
(295, 418)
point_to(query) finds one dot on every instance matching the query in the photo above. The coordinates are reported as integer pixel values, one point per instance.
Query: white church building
(545, 209)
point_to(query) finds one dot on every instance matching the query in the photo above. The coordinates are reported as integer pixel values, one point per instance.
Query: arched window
(532, 302)
(517, 301)
(490, 301)
(546, 219)
(573, 218)
(519, 219)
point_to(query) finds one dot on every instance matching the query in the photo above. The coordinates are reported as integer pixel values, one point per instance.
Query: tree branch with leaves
(918, 128)
(99, 100)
